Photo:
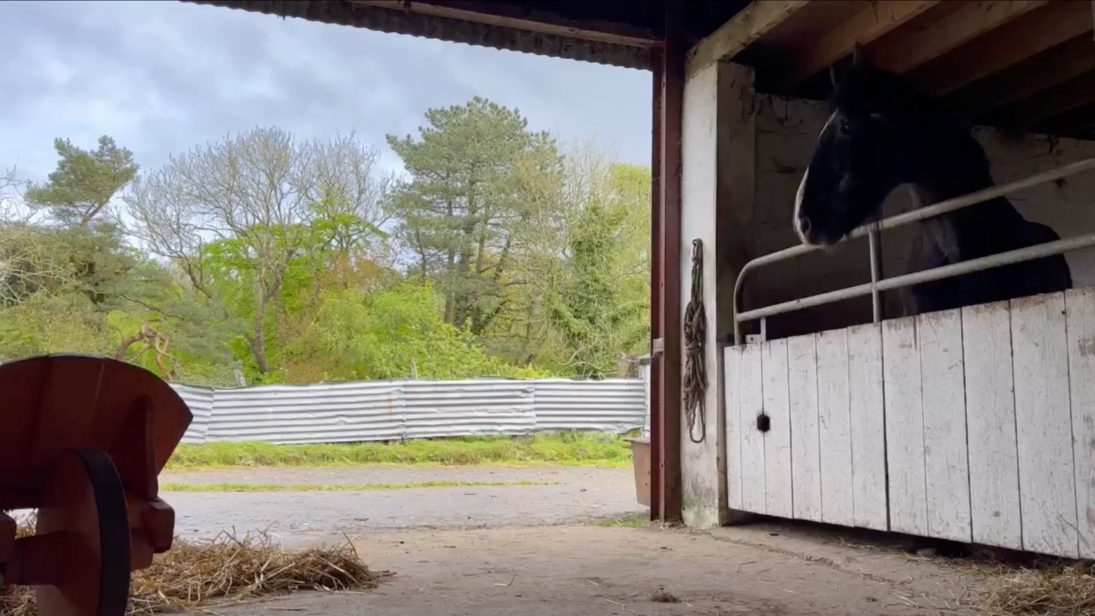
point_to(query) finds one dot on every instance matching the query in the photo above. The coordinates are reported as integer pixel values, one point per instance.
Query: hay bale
(1051, 591)
(226, 570)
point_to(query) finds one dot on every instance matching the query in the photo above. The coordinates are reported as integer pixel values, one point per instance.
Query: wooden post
(669, 284)
(656, 267)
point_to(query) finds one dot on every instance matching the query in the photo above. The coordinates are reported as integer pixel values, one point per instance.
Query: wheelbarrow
(83, 440)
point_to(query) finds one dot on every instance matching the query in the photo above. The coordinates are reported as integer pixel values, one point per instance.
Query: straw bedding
(226, 570)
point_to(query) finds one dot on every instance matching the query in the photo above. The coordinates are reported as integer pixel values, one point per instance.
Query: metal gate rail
(877, 284)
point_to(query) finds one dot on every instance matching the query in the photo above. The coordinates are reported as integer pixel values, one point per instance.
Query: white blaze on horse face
(798, 204)
(796, 222)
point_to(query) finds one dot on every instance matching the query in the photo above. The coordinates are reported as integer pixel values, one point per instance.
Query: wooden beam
(528, 19)
(1049, 68)
(747, 26)
(910, 47)
(870, 24)
(657, 265)
(1071, 123)
(1050, 102)
(1040, 30)
(672, 502)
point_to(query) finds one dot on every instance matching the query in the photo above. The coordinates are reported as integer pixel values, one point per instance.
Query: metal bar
(943, 207)
(1020, 255)
(876, 268)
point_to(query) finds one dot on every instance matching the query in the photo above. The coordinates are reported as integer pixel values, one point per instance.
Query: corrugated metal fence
(396, 410)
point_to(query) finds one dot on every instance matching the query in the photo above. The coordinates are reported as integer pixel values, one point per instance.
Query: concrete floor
(525, 549)
(585, 570)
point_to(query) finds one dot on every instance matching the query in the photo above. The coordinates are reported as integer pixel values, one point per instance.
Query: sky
(162, 76)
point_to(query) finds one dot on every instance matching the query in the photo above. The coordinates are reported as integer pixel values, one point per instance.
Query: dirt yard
(561, 495)
(532, 550)
(584, 570)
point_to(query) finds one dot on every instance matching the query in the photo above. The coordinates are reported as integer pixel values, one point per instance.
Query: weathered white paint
(868, 427)
(944, 403)
(990, 421)
(1047, 479)
(1080, 306)
(777, 440)
(805, 439)
(834, 425)
(752, 440)
(732, 384)
(983, 421)
(699, 462)
(904, 427)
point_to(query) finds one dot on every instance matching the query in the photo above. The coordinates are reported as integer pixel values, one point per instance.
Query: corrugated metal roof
(358, 15)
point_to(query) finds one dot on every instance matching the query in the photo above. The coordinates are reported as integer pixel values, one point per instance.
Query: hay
(1050, 591)
(226, 570)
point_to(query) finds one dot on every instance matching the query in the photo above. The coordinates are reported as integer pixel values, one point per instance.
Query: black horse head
(872, 142)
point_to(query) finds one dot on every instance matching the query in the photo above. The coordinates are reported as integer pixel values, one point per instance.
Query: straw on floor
(226, 570)
(1050, 591)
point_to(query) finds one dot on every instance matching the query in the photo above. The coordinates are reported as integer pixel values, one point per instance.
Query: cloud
(162, 77)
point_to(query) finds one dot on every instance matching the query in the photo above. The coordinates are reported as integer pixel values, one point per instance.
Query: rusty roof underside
(1015, 64)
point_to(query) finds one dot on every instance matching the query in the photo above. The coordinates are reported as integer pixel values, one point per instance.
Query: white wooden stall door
(868, 427)
(805, 440)
(990, 422)
(971, 425)
(1080, 306)
(1047, 476)
(834, 428)
(942, 385)
(904, 427)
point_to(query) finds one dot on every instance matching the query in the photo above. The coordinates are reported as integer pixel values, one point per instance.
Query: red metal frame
(665, 288)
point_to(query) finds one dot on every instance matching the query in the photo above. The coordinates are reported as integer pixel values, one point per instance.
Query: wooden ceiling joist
(749, 25)
(1076, 122)
(530, 20)
(874, 21)
(1047, 69)
(1046, 104)
(1039, 30)
(919, 43)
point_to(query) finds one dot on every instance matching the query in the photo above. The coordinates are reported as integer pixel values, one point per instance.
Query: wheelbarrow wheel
(83, 500)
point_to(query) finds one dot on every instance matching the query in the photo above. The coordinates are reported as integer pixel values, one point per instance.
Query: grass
(223, 571)
(322, 487)
(569, 449)
(641, 520)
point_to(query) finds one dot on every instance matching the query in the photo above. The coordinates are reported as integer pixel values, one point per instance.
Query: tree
(585, 267)
(237, 215)
(85, 181)
(378, 335)
(461, 198)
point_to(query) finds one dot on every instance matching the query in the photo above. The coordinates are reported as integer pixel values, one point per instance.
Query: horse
(882, 134)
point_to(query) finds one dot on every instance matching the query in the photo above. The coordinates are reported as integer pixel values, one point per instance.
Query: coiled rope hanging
(695, 329)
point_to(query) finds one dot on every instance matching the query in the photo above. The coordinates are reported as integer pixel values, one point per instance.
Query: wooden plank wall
(974, 425)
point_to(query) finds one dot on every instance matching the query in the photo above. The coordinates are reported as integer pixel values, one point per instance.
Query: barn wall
(786, 133)
(718, 152)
